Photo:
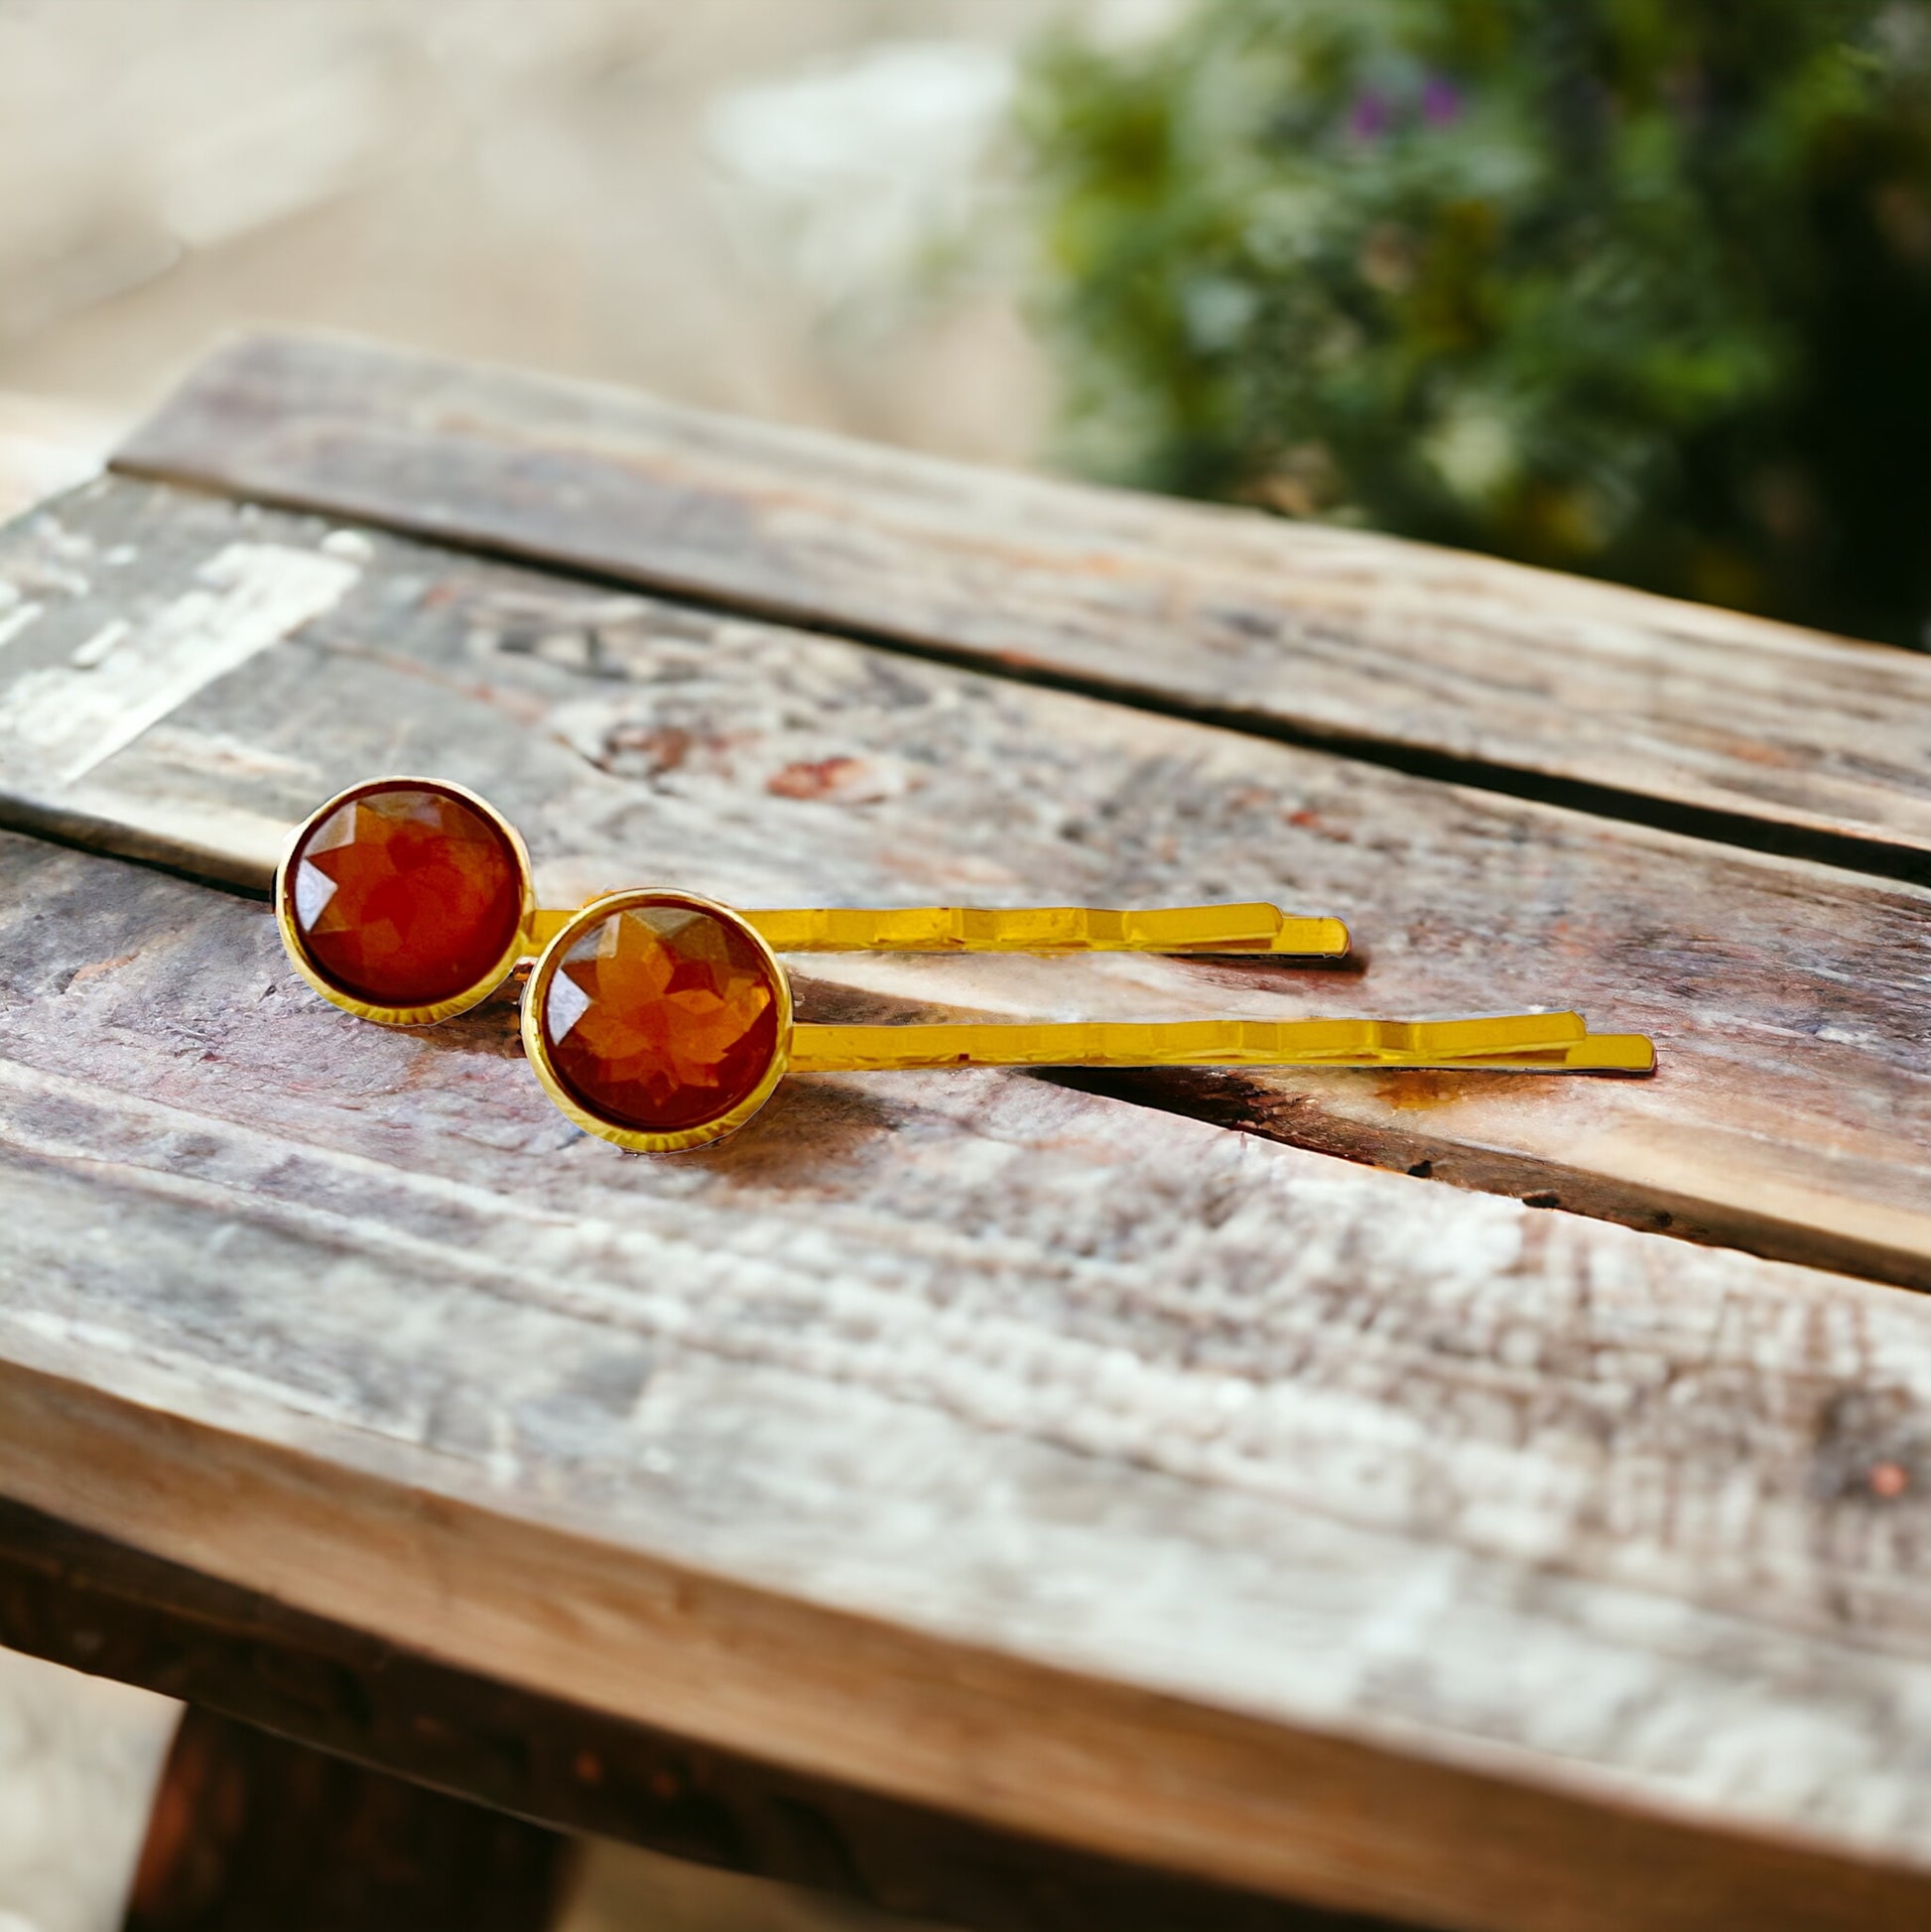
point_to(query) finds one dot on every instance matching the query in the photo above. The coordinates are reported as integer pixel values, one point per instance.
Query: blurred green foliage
(1640, 288)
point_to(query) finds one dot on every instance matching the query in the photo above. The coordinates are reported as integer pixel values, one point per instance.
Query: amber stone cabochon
(404, 895)
(663, 1017)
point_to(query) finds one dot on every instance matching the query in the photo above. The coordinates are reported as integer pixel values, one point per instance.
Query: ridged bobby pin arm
(1251, 930)
(1547, 1041)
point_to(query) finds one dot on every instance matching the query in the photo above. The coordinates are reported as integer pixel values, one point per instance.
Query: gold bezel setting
(441, 1009)
(536, 1043)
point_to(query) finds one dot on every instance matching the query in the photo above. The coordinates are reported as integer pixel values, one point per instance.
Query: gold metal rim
(536, 1045)
(441, 1009)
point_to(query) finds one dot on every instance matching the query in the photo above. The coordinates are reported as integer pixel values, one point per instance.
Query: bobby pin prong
(1250, 930)
(1550, 1041)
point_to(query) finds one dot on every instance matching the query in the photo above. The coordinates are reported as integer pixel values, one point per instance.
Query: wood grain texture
(79, 1598)
(1057, 1464)
(1027, 1454)
(1520, 679)
(636, 741)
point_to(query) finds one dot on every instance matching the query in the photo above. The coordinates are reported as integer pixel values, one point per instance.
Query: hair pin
(660, 1019)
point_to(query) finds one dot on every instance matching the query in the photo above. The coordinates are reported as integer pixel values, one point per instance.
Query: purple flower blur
(1371, 116)
(1441, 100)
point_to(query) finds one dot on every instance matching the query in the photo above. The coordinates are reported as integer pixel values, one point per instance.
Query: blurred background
(1637, 288)
(803, 209)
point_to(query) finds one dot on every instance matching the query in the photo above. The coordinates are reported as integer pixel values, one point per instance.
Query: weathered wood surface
(635, 740)
(79, 1599)
(1447, 663)
(1052, 1463)
(1055, 1461)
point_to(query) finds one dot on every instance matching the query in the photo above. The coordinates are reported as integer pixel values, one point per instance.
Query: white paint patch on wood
(220, 841)
(68, 718)
(17, 620)
(98, 648)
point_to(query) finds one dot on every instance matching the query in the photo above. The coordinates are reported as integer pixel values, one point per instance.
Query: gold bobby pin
(658, 1019)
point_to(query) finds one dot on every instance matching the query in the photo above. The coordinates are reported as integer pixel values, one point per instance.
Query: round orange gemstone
(404, 896)
(662, 1017)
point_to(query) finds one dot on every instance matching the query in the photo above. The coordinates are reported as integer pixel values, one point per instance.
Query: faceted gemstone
(406, 896)
(662, 1017)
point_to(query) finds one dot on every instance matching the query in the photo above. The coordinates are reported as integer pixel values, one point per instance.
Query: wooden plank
(95, 1605)
(635, 740)
(1449, 664)
(1022, 1453)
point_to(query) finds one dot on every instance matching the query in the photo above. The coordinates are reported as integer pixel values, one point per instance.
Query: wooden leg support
(250, 1831)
